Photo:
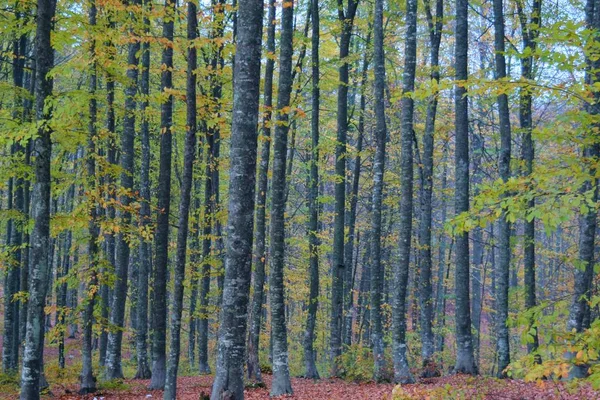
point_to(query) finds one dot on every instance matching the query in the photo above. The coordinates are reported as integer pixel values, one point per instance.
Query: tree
(143, 369)
(378, 172)
(184, 206)
(346, 20)
(401, 370)
(88, 381)
(260, 254)
(503, 266)
(465, 362)
(579, 312)
(229, 379)
(435, 26)
(117, 309)
(159, 276)
(530, 33)
(313, 221)
(281, 375)
(40, 236)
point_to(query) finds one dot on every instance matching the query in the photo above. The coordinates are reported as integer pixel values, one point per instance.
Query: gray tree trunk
(281, 375)
(579, 312)
(504, 253)
(401, 370)
(465, 361)
(310, 365)
(435, 26)
(159, 303)
(378, 172)
(40, 236)
(260, 255)
(346, 20)
(229, 379)
(113, 368)
(143, 368)
(88, 381)
(184, 206)
(529, 33)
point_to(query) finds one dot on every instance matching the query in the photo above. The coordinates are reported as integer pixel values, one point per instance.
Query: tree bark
(40, 236)
(143, 368)
(503, 265)
(281, 375)
(117, 310)
(401, 370)
(435, 26)
(529, 33)
(159, 302)
(346, 20)
(88, 381)
(260, 255)
(184, 206)
(311, 371)
(579, 311)
(229, 379)
(465, 362)
(378, 182)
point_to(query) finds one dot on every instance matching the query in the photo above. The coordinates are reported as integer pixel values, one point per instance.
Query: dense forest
(247, 192)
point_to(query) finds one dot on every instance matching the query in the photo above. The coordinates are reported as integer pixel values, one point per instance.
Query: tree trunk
(184, 207)
(311, 371)
(260, 255)
(579, 311)
(435, 26)
(117, 309)
(143, 368)
(88, 381)
(229, 379)
(346, 20)
(378, 182)
(529, 32)
(281, 374)
(503, 266)
(465, 362)
(401, 370)
(40, 236)
(159, 303)
(349, 249)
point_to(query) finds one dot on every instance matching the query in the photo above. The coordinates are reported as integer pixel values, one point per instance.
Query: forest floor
(63, 386)
(450, 387)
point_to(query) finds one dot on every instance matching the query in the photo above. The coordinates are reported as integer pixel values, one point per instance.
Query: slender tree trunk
(211, 191)
(579, 318)
(435, 26)
(477, 148)
(40, 236)
(159, 340)
(349, 249)
(346, 20)
(378, 181)
(195, 262)
(529, 32)
(503, 266)
(401, 370)
(260, 256)
(111, 239)
(281, 374)
(184, 207)
(311, 371)
(117, 309)
(229, 379)
(465, 362)
(88, 381)
(143, 368)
